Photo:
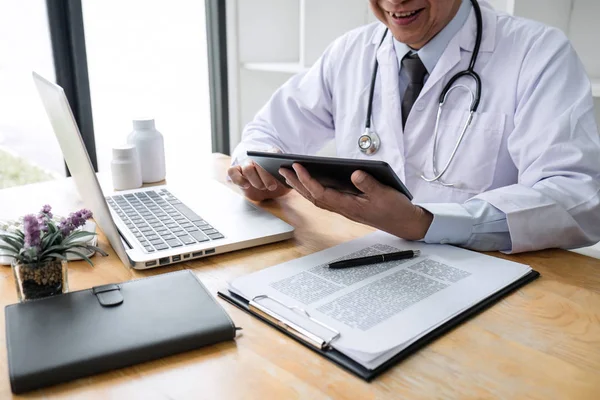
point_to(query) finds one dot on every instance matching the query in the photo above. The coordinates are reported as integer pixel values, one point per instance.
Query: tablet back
(331, 172)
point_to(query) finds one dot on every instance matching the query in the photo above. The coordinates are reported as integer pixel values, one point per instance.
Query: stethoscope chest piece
(369, 142)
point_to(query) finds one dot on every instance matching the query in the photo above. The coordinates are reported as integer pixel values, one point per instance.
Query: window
(29, 151)
(143, 58)
(149, 58)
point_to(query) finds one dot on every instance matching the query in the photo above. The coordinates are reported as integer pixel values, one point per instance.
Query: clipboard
(354, 367)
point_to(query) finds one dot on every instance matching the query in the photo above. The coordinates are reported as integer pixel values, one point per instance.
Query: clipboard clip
(289, 326)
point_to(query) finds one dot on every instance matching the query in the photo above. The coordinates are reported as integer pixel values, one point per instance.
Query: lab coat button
(444, 241)
(420, 106)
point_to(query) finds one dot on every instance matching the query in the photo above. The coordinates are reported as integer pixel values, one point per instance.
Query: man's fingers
(331, 200)
(365, 182)
(249, 172)
(293, 181)
(269, 181)
(315, 188)
(235, 174)
(324, 202)
(325, 196)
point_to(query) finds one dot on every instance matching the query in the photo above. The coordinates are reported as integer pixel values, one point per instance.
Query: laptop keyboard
(160, 221)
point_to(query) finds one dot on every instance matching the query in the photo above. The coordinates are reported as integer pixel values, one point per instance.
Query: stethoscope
(369, 142)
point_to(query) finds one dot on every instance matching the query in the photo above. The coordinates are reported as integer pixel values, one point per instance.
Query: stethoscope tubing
(373, 139)
(475, 100)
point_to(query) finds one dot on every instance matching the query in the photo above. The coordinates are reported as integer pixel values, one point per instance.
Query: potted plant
(40, 251)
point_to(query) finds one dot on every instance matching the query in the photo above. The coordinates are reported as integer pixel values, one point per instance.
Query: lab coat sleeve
(556, 148)
(298, 117)
(475, 225)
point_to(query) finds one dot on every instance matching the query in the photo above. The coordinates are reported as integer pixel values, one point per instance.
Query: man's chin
(413, 40)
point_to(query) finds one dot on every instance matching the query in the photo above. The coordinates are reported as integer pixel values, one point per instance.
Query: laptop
(160, 225)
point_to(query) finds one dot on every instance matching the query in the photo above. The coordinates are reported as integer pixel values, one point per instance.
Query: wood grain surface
(541, 342)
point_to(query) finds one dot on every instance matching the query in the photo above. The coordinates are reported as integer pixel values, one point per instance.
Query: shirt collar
(433, 50)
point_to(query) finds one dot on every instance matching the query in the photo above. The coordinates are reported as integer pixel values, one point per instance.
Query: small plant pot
(38, 280)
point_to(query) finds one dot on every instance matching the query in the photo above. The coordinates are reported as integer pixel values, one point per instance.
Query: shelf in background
(596, 87)
(289, 68)
(296, 68)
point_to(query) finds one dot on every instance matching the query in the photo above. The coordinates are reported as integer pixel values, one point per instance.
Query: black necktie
(416, 71)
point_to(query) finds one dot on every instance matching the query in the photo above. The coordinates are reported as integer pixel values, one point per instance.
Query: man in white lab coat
(525, 177)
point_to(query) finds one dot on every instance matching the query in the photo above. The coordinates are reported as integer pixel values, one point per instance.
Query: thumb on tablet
(365, 182)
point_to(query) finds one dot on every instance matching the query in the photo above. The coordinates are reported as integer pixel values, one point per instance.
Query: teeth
(402, 15)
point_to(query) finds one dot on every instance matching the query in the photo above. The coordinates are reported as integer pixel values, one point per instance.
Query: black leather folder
(367, 374)
(78, 334)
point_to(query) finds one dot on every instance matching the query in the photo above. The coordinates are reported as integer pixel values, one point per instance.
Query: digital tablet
(331, 172)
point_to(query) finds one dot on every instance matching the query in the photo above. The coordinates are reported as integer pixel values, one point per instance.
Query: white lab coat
(532, 151)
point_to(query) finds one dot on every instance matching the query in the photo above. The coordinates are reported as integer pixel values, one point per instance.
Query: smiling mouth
(402, 15)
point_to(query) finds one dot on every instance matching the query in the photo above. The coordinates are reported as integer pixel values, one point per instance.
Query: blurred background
(144, 58)
(201, 68)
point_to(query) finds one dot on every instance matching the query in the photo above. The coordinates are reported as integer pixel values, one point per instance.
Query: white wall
(578, 19)
(268, 30)
(597, 107)
(584, 32)
(271, 40)
(326, 20)
(501, 5)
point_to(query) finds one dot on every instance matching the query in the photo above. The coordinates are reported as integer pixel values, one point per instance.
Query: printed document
(378, 309)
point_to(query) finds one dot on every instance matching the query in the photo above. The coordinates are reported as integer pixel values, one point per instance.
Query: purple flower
(43, 222)
(44, 216)
(78, 218)
(75, 220)
(85, 214)
(46, 210)
(32, 231)
(65, 227)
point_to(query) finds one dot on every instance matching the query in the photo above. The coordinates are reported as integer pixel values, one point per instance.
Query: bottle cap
(124, 152)
(143, 123)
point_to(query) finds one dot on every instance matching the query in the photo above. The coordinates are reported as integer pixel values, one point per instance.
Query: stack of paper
(378, 309)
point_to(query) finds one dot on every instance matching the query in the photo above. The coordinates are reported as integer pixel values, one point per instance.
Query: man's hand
(380, 206)
(256, 183)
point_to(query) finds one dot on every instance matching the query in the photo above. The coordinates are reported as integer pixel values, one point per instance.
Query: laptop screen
(77, 159)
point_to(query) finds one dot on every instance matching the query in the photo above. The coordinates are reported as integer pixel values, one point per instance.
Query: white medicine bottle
(125, 168)
(150, 145)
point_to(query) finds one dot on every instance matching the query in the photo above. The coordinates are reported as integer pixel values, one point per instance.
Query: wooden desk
(542, 342)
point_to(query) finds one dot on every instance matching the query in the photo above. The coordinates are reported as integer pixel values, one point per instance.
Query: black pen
(357, 262)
